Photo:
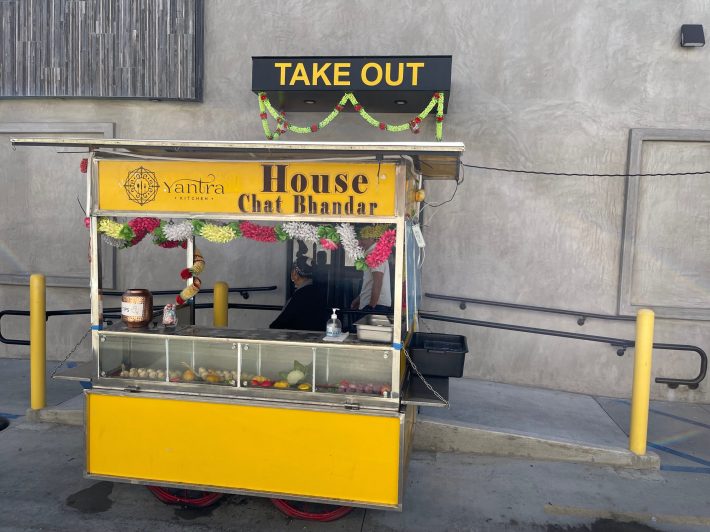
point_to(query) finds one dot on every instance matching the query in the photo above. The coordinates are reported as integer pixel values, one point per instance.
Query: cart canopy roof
(434, 160)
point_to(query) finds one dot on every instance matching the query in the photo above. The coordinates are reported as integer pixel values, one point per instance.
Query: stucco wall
(536, 84)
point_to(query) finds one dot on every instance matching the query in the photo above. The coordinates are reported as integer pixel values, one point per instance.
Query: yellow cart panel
(346, 457)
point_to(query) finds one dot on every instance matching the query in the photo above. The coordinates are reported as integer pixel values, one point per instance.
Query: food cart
(272, 413)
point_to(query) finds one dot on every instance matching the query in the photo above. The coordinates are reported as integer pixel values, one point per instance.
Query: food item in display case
(202, 374)
(141, 373)
(345, 386)
(262, 382)
(281, 385)
(295, 376)
(304, 387)
(211, 376)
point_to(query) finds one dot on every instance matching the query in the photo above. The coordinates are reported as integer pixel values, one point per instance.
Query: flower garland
(170, 235)
(382, 250)
(373, 231)
(306, 232)
(260, 233)
(282, 125)
(349, 241)
(220, 234)
(177, 232)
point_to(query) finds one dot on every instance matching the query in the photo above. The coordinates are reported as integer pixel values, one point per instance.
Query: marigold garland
(282, 125)
(329, 237)
(217, 233)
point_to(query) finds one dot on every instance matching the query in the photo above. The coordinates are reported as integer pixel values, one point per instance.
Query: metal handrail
(581, 315)
(620, 343)
(243, 291)
(13, 313)
(108, 313)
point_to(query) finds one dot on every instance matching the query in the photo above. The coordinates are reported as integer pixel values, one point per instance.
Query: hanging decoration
(220, 234)
(382, 249)
(198, 265)
(306, 232)
(373, 231)
(178, 232)
(283, 125)
(191, 290)
(349, 241)
(170, 235)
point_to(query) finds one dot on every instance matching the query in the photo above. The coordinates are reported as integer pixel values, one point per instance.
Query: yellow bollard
(641, 391)
(220, 306)
(38, 341)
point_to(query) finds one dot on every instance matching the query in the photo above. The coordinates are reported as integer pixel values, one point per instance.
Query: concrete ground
(15, 387)
(42, 487)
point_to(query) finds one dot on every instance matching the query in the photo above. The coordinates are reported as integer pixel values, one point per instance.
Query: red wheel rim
(330, 515)
(204, 500)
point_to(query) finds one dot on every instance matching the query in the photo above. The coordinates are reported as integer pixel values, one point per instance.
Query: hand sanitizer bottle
(333, 327)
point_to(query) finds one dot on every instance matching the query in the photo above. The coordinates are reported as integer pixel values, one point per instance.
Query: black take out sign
(381, 83)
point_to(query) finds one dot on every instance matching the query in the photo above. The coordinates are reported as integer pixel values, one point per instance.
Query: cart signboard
(250, 188)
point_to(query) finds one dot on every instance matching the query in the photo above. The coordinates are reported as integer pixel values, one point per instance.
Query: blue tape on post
(396, 346)
(97, 327)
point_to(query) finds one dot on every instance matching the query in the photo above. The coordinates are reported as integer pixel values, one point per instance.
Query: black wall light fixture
(692, 35)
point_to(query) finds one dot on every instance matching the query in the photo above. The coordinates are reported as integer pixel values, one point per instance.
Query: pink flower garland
(383, 249)
(258, 233)
(328, 244)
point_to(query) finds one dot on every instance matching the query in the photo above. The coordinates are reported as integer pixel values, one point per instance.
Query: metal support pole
(220, 304)
(38, 341)
(641, 391)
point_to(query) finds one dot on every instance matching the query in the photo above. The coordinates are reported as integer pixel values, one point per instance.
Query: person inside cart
(306, 310)
(375, 292)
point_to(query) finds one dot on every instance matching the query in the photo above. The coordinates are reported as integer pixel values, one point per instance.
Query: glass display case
(256, 363)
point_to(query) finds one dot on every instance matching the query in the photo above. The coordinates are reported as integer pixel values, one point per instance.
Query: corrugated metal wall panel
(101, 49)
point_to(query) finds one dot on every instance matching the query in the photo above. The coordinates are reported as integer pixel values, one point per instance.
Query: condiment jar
(137, 307)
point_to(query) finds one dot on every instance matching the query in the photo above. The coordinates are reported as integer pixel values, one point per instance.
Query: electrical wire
(579, 174)
(207, 499)
(292, 511)
(434, 205)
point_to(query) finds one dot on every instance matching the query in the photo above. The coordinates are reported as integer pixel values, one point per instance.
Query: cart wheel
(195, 499)
(311, 511)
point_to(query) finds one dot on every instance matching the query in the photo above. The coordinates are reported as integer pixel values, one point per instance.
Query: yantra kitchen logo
(142, 187)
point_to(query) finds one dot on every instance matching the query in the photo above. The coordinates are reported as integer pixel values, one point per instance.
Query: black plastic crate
(438, 355)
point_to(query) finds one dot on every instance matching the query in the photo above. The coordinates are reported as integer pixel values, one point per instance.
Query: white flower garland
(301, 231)
(349, 241)
(178, 232)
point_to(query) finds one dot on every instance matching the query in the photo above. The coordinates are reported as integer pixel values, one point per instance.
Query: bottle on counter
(333, 327)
